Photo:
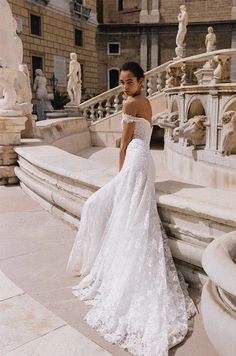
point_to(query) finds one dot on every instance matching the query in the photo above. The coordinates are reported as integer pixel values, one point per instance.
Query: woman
(121, 249)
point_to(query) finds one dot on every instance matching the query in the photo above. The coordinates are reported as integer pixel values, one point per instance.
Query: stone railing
(110, 102)
(206, 68)
(219, 293)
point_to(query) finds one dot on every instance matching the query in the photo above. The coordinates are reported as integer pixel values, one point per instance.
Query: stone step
(192, 215)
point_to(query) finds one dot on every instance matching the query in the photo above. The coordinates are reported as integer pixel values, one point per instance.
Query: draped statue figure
(11, 54)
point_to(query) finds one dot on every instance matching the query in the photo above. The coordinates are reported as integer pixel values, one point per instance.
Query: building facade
(145, 31)
(50, 30)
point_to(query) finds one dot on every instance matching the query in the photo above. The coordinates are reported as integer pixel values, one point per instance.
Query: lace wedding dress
(139, 302)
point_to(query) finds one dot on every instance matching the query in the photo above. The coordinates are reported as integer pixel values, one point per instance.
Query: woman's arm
(127, 133)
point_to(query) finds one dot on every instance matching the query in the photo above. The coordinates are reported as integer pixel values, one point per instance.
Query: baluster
(170, 79)
(108, 107)
(183, 75)
(100, 111)
(116, 103)
(85, 112)
(92, 112)
(149, 86)
(159, 82)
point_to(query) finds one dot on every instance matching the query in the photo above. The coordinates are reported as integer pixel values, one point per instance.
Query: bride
(139, 302)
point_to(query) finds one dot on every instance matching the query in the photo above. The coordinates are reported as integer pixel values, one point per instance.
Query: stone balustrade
(110, 102)
(206, 68)
(219, 293)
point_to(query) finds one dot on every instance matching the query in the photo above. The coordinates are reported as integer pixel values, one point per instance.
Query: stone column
(233, 59)
(155, 10)
(153, 16)
(10, 135)
(143, 51)
(233, 10)
(211, 133)
(144, 11)
(154, 50)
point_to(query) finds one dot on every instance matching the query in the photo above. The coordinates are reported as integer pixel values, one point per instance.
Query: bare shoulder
(130, 107)
(144, 108)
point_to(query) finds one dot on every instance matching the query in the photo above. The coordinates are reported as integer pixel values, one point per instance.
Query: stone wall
(129, 14)
(130, 51)
(198, 10)
(58, 39)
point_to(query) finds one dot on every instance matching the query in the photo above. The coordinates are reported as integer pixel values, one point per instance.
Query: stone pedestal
(72, 110)
(204, 75)
(30, 127)
(10, 135)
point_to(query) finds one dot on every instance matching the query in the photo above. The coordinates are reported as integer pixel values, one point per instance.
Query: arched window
(113, 78)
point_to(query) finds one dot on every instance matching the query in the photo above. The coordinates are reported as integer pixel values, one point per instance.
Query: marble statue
(11, 54)
(210, 40)
(40, 87)
(182, 30)
(23, 89)
(194, 130)
(74, 82)
(228, 133)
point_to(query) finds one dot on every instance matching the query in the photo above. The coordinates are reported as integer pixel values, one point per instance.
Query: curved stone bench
(70, 134)
(192, 215)
(219, 294)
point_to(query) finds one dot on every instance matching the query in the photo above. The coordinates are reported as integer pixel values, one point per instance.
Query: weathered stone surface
(70, 134)
(30, 127)
(10, 129)
(7, 156)
(7, 175)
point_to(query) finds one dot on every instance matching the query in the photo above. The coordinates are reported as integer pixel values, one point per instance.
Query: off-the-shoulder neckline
(137, 117)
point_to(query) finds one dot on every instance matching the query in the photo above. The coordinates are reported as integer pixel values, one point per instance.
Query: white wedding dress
(139, 302)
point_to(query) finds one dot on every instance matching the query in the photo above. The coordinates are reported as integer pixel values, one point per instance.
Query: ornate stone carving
(228, 133)
(194, 130)
(167, 121)
(221, 72)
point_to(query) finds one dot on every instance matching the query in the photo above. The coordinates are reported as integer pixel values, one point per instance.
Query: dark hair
(134, 68)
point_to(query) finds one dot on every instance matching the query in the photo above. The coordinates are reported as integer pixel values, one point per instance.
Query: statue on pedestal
(74, 82)
(23, 90)
(40, 88)
(183, 22)
(210, 40)
(11, 54)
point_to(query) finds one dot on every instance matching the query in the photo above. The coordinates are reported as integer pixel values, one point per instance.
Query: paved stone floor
(38, 313)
